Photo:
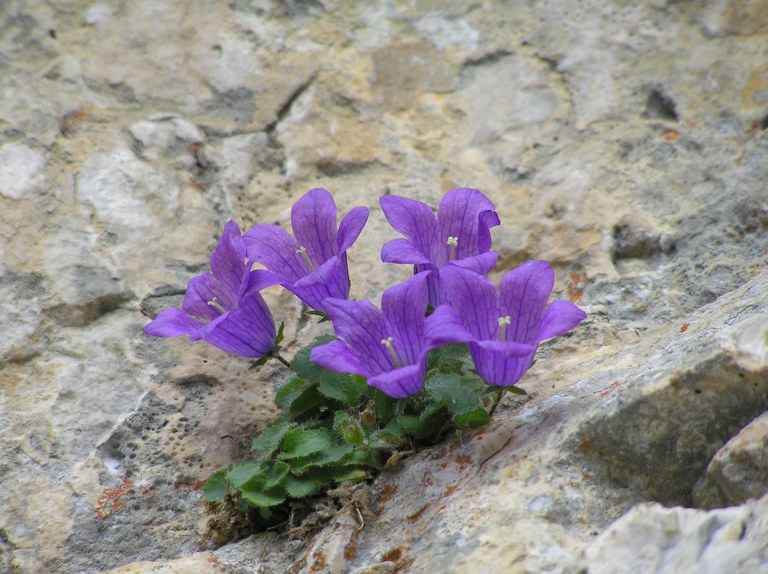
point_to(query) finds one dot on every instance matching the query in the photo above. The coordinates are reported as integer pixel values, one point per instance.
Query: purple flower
(223, 306)
(504, 327)
(313, 266)
(459, 235)
(388, 347)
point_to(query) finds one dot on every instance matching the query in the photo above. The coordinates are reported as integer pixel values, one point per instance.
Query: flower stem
(280, 358)
(499, 396)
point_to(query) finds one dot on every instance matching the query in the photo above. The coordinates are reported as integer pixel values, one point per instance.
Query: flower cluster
(450, 252)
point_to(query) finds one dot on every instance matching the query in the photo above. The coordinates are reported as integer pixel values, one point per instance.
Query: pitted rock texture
(627, 143)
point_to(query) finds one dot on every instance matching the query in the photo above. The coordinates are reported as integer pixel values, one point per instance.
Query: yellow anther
(216, 305)
(503, 322)
(388, 344)
(303, 252)
(453, 243)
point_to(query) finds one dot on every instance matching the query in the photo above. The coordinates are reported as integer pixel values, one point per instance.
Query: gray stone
(21, 171)
(739, 470)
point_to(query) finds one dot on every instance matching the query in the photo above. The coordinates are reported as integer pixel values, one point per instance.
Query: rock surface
(627, 143)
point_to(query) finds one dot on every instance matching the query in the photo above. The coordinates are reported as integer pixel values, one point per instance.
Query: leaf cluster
(334, 428)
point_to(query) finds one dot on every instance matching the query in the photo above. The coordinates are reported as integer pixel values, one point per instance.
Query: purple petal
(174, 322)
(258, 280)
(468, 215)
(500, 363)
(351, 226)
(403, 307)
(444, 327)
(338, 357)
(273, 247)
(248, 331)
(402, 382)
(416, 221)
(227, 263)
(403, 251)
(482, 263)
(473, 296)
(204, 288)
(362, 327)
(331, 279)
(560, 317)
(313, 220)
(523, 294)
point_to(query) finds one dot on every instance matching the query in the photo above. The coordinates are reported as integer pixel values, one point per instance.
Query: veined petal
(248, 331)
(259, 279)
(403, 251)
(273, 247)
(204, 289)
(444, 327)
(331, 279)
(338, 357)
(467, 215)
(482, 263)
(415, 220)
(351, 226)
(174, 322)
(500, 363)
(313, 220)
(403, 306)
(402, 382)
(361, 326)
(523, 294)
(473, 296)
(227, 263)
(559, 317)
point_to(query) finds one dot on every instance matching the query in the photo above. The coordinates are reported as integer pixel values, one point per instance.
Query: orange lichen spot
(414, 516)
(189, 486)
(450, 490)
(585, 447)
(674, 383)
(350, 550)
(387, 492)
(670, 134)
(73, 121)
(399, 557)
(463, 460)
(575, 287)
(111, 500)
(319, 562)
(684, 327)
(614, 385)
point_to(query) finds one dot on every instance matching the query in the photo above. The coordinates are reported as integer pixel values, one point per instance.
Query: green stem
(499, 396)
(280, 358)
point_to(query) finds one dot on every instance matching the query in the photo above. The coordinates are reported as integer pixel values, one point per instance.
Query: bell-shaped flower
(503, 327)
(313, 266)
(223, 306)
(459, 235)
(389, 346)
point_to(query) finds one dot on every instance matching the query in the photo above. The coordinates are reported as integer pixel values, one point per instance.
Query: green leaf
(262, 498)
(385, 407)
(343, 388)
(299, 442)
(242, 472)
(349, 428)
(275, 474)
(328, 456)
(215, 488)
(300, 398)
(472, 420)
(448, 359)
(458, 395)
(516, 390)
(302, 487)
(269, 440)
(290, 391)
(302, 364)
(280, 334)
(351, 475)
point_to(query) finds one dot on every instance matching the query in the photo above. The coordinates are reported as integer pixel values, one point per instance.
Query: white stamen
(388, 344)
(453, 242)
(216, 305)
(503, 322)
(303, 252)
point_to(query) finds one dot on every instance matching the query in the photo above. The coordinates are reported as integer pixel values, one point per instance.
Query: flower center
(452, 242)
(388, 344)
(503, 322)
(216, 305)
(303, 252)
